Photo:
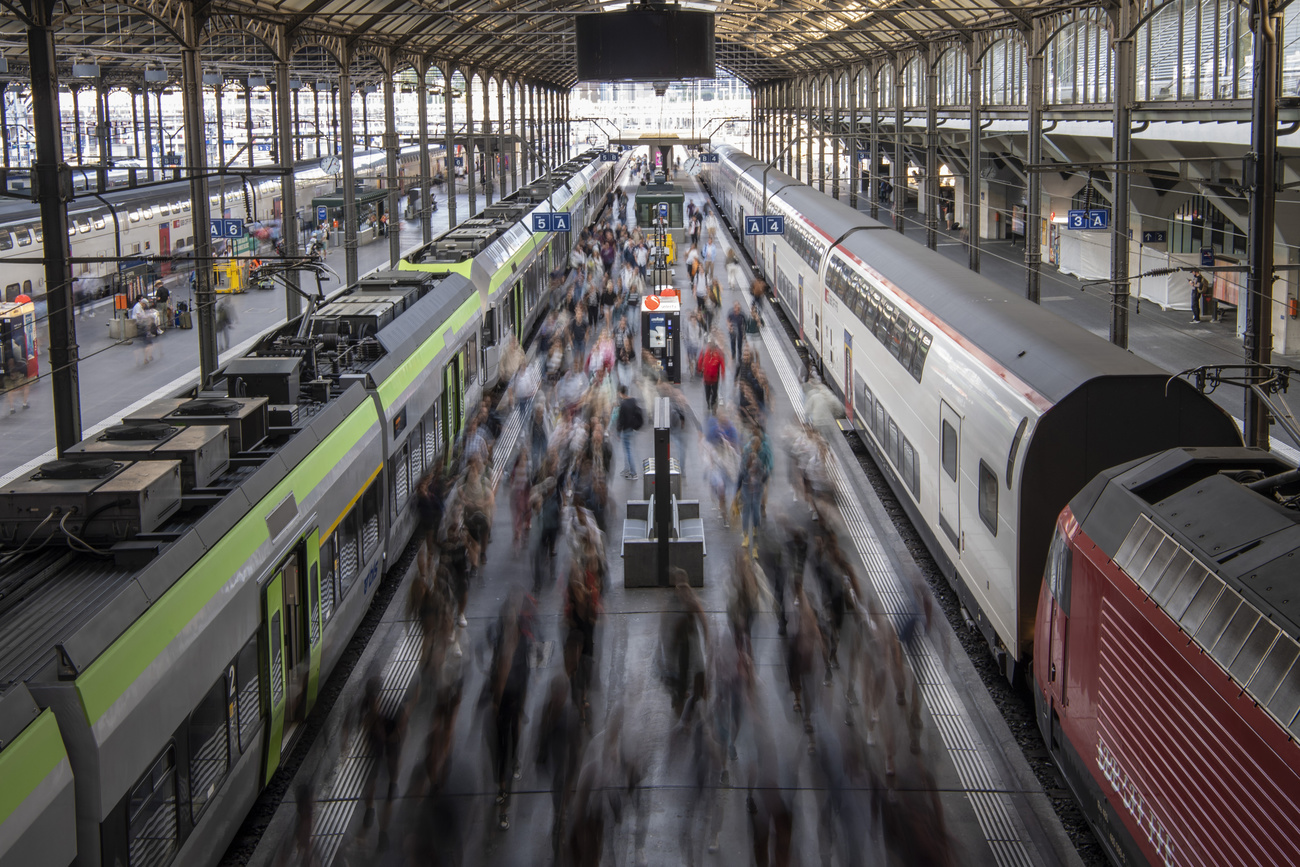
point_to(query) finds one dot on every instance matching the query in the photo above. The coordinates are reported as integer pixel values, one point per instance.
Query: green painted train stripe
(109, 676)
(28, 760)
(415, 364)
(462, 268)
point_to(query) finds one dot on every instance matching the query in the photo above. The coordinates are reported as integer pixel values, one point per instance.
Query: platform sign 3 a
(1095, 218)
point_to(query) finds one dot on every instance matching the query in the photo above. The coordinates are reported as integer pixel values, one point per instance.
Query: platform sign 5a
(1096, 218)
(227, 229)
(557, 221)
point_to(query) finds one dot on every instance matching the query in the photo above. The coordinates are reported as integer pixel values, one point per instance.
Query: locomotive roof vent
(208, 406)
(137, 432)
(87, 468)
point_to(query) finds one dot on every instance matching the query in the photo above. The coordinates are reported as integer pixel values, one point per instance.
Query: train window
(6, 240)
(247, 694)
(431, 428)
(417, 452)
(329, 572)
(879, 426)
(912, 473)
(209, 747)
(1059, 565)
(152, 826)
(988, 497)
(898, 336)
(185, 206)
(24, 236)
(11, 291)
(99, 222)
(148, 213)
(401, 472)
(907, 460)
(471, 360)
(83, 228)
(891, 443)
(134, 216)
(1279, 660)
(349, 542)
(39, 232)
(1257, 643)
(948, 455)
(489, 327)
(370, 525)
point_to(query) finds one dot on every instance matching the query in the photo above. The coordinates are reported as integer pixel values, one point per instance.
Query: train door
(517, 314)
(165, 246)
(949, 444)
(449, 403)
(848, 375)
(1059, 561)
(802, 336)
(291, 608)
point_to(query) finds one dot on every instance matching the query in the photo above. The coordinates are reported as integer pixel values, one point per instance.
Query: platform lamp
(155, 74)
(212, 78)
(85, 67)
(256, 81)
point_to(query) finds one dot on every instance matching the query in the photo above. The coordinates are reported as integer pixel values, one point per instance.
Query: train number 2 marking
(1135, 804)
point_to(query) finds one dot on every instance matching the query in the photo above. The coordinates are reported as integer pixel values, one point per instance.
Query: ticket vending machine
(661, 331)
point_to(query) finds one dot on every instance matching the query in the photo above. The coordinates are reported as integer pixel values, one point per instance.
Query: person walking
(629, 420)
(712, 366)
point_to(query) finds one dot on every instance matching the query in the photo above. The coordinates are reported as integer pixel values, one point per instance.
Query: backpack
(635, 417)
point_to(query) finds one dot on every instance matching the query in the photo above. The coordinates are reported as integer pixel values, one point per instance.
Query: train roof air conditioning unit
(202, 450)
(244, 417)
(89, 501)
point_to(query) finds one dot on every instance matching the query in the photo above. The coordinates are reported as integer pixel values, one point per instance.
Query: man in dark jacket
(630, 419)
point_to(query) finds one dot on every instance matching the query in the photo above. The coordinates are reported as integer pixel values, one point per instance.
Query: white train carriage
(986, 412)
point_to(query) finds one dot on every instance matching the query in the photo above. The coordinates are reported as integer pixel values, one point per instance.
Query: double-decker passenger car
(985, 411)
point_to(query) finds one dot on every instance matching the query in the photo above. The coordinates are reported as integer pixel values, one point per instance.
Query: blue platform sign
(663, 210)
(227, 228)
(608, 157)
(709, 158)
(774, 225)
(1097, 218)
(322, 214)
(1207, 257)
(1154, 237)
(460, 162)
(557, 221)
(754, 226)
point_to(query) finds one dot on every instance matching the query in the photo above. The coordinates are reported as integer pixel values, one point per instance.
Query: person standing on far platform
(1198, 294)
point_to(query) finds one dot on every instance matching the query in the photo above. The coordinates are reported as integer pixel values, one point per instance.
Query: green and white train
(175, 589)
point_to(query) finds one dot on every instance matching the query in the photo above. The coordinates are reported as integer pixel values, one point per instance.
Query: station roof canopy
(532, 40)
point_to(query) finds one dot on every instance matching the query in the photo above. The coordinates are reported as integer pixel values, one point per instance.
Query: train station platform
(114, 377)
(967, 785)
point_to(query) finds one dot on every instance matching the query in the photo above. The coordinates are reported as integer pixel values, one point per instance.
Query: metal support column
(196, 164)
(288, 190)
(297, 121)
(1121, 137)
(516, 152)
(502, 160)
(424, 215)
(349, 172)
(52, 182)
(471, 176)
(873, 140)
(449, 135)
(823, 129)
(809, 131)
(900, 147)
(487, 141)
(1034, 152)
(855, 86)
(391, 179)
(102, 139)
(931, 192)
(973, 178)
(248, 121)
(1263, 200)
(76, 123)
(148, 136)
(836, 152)
(135, 126)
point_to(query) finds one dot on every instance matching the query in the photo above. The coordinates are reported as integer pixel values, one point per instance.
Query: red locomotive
(1167, 668)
